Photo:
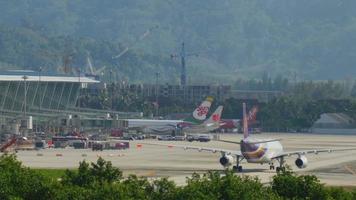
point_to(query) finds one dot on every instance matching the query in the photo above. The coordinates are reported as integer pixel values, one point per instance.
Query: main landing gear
(237, 167)
(281, 167)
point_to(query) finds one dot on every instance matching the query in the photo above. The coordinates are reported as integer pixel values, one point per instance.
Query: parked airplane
(263, 151)
(212, 123)
(231, 124)
(169, 126)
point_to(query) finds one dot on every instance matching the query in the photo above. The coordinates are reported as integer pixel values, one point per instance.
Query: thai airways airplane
(263, 151)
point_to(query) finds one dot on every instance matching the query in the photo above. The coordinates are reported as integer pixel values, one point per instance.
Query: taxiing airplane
(262, 151)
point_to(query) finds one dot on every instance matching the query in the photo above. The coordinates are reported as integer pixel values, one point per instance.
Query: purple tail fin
(245, 122)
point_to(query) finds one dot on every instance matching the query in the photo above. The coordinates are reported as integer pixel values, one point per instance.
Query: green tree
(290, 186)
(98, 173)
(214, 186)
(19, 182)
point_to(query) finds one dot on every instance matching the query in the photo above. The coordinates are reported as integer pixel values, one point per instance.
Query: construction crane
(91, 71)
(183, 55)
(140, 38)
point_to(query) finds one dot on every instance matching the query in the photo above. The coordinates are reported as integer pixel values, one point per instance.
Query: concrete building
(260, 95)
(194, 93)
(43, 92)
(334, 123)
(47, 98)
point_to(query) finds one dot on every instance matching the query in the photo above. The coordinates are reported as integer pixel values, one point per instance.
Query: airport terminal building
(49, 101)
(39, 92)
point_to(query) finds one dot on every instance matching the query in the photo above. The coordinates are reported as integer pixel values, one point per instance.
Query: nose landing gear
(237, 168)
(271, 166)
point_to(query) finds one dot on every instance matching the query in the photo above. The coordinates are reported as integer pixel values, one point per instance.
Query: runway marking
(350, 170)
(151, 174)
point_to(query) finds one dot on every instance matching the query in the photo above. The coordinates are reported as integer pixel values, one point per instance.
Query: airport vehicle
(133, 137)
(262, 151)
(199, 137)
(171, 138)
(204, 138)
(97, 147)
(170, 126)
(165, 137)
(192, 138)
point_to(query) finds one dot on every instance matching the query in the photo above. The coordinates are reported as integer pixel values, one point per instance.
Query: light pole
(25, 94)
(80, 122)
(39, 103)
(25, 104)
(79, 89)
(156, 104)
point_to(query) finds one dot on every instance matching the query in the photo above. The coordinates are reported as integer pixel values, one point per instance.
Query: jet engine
(301, 162)
(226, 160)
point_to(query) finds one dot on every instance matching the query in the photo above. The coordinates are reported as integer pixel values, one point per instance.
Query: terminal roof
(45, 77)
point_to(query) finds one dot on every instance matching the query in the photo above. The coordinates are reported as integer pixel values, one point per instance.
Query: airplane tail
(245, 122)
(215, 116)
(251, 117)
(199, 114)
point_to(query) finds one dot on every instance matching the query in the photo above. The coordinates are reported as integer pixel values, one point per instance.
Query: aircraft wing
(311, 151)
(208, 149)
(255, 142)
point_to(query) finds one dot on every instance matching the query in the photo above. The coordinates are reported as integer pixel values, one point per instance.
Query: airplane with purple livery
(262, 151)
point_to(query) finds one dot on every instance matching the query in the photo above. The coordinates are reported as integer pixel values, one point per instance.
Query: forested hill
(303, 39)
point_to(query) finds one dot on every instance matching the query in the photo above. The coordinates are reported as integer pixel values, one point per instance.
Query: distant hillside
(302, 39)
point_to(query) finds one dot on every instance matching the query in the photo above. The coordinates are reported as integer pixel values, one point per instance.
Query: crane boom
(140, 38)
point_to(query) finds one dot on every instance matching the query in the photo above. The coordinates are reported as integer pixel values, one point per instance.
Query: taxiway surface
(336, 168)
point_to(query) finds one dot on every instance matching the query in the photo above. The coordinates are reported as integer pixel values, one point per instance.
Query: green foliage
(102, 181)
(54, 174)
(302, 39)
(162, 189)
(290, 112)
(279, 83)
(354, 194)
(99, 173)
(136, 187)
(214, 186)
(290, 186)
(339, 193)
(18, 182)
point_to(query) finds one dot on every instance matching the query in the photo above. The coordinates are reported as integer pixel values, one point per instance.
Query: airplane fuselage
(254, 152)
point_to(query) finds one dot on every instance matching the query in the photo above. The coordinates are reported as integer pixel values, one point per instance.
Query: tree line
(298, 108)
(102, 180)
(306, 39)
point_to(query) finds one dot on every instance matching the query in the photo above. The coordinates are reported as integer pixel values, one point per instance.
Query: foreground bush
(101, 180)
(214, 186)
(18, 182)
